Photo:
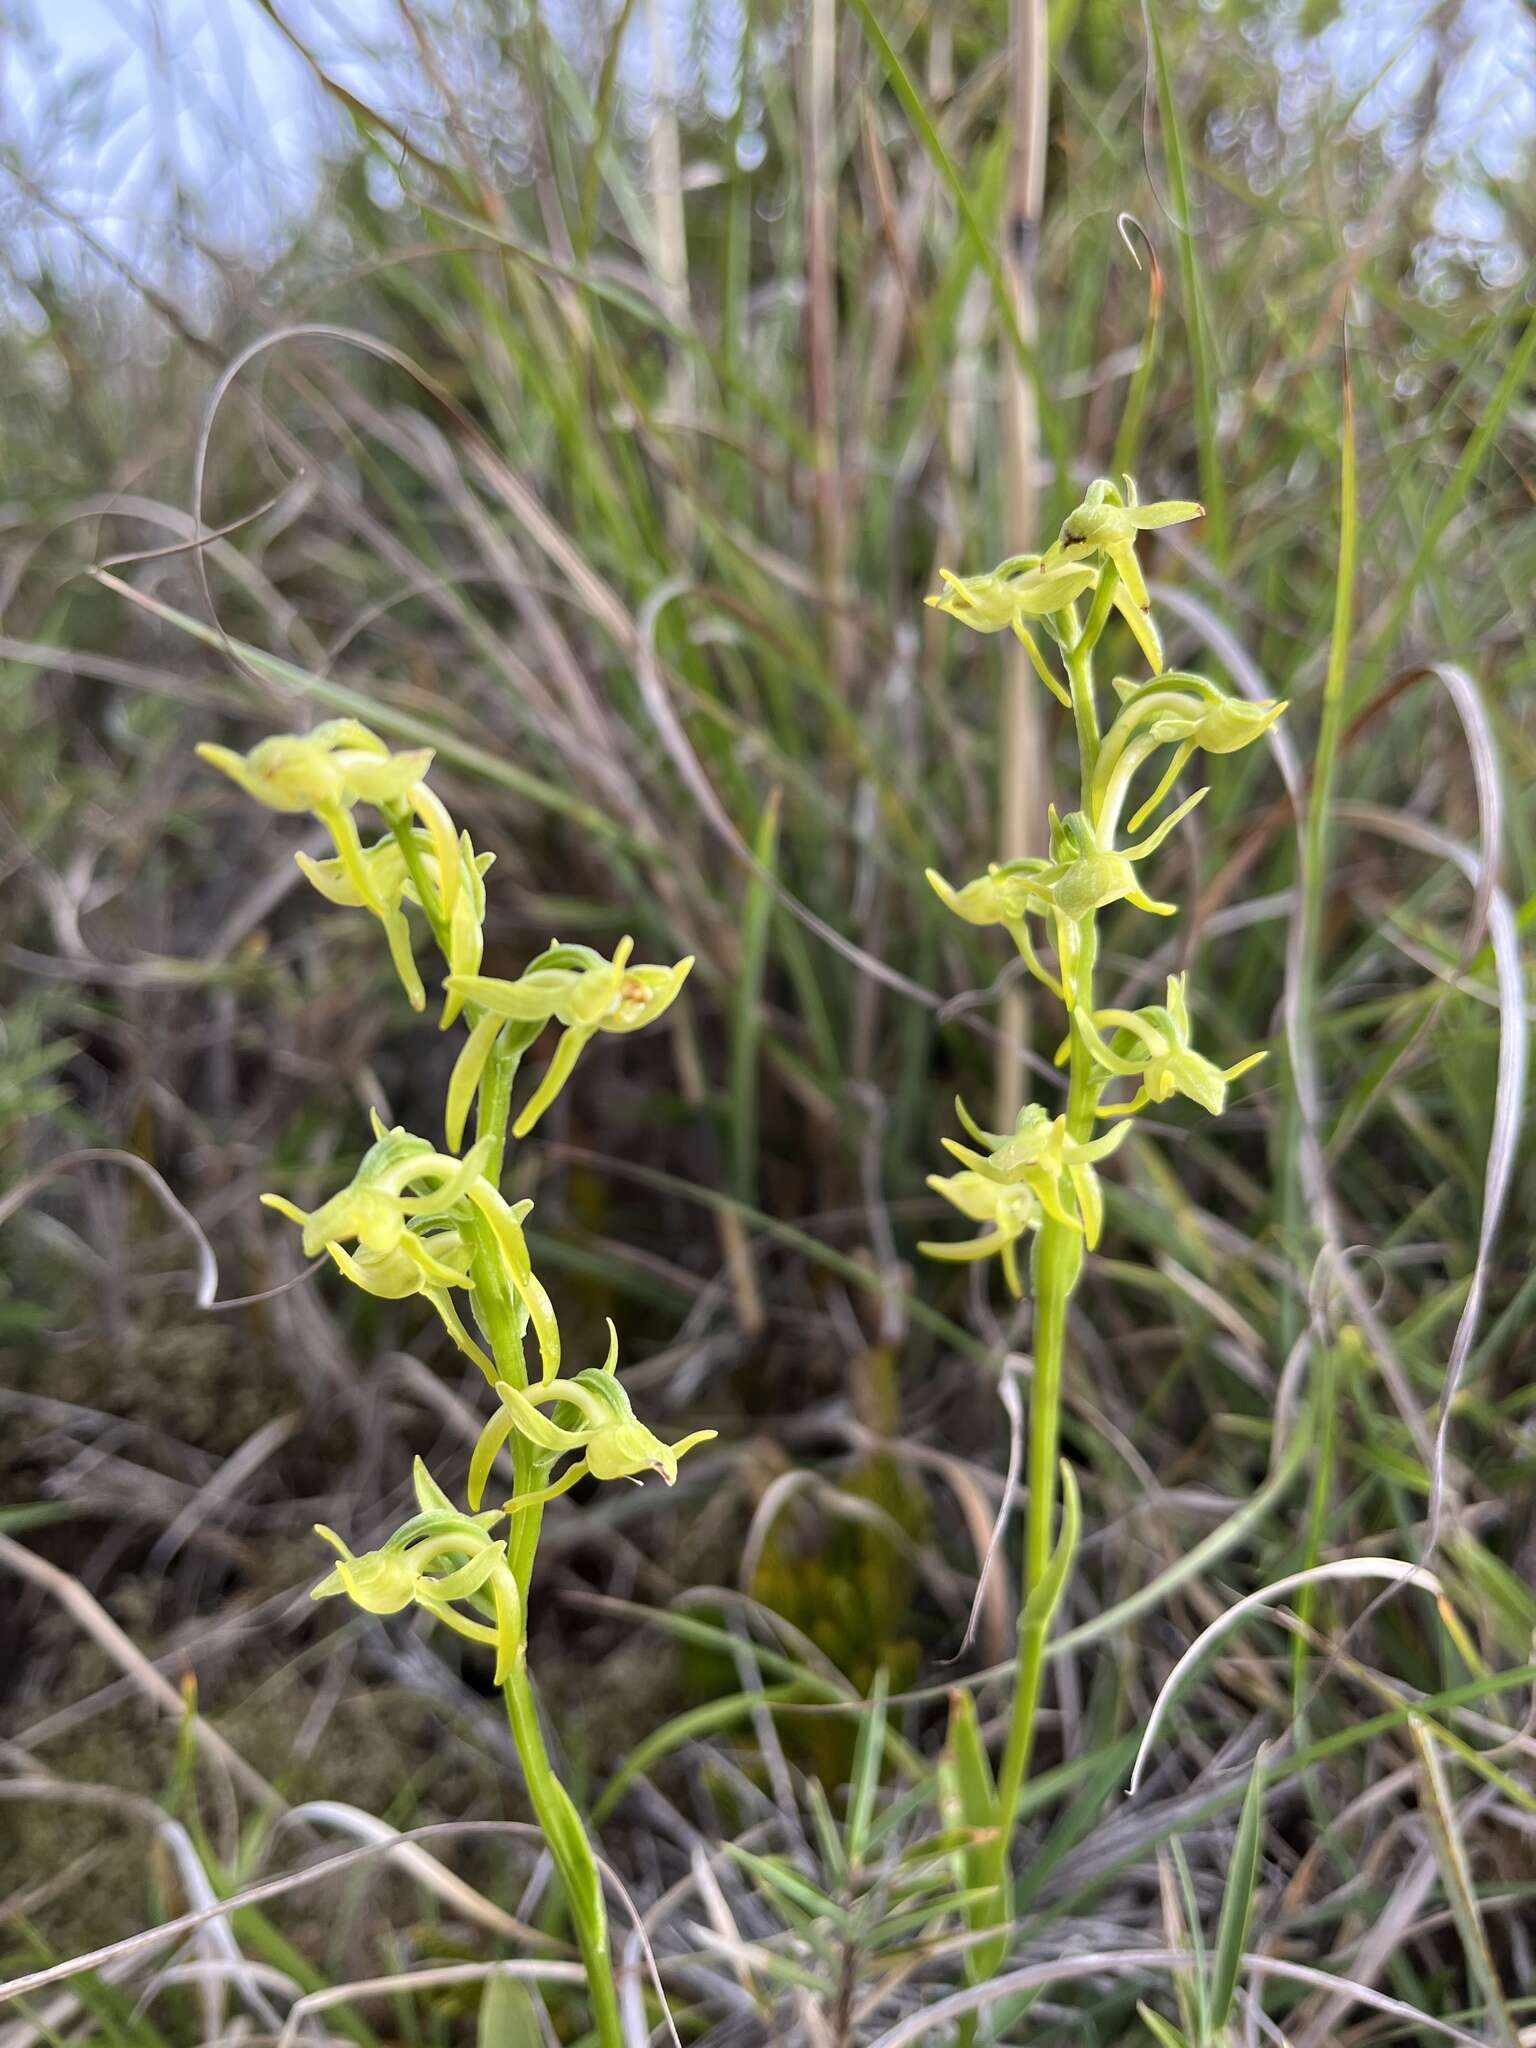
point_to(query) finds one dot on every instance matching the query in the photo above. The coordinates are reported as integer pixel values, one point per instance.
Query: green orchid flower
(1003, 598)
(404, 1181)
(398, 1276)
(1003, 895)
(1165, 1064)
(1178, 710)
(1107, 523)
(337, 765)
(329, 772)
(380, 879)
(1012, 1210)
(593, 1418)
(568, 985)
(1038, 1154)
(1085, 876)
(436, 1560)
(1082, 877)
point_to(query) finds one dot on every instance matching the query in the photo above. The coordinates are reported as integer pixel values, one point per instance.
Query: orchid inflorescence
(1044, 1170)
(1037, 1182)
(417, 1219)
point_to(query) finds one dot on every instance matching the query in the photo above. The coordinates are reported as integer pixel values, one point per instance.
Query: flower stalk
(1039, 1184)
(420, 1219)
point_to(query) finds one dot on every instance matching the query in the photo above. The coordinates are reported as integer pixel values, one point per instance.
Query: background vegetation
(602, 420)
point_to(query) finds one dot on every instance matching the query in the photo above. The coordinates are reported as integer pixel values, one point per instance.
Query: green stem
(566, 1840)
(402, 828)
(1057, 1263)
(497, 1311)
(1079, 660)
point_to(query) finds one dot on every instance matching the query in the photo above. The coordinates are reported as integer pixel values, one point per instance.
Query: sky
(119, 109)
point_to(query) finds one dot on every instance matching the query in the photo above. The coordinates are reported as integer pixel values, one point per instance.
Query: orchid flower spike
(1177, 710)
(570, 985)
(1106, 523)
(437, 1560)
(592, 1418)
(1038, 1154)
(1159, 1055)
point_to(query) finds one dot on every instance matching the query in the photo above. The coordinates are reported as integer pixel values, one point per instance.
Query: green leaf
(509, 2016)
(789, 1888)
(747, 1024)
(1164, 2032)
(864, 1783)
(1237, 1899)
(1439, 1810)
(1197, 318)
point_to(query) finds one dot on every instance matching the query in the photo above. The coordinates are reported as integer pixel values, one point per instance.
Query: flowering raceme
(417, 1220)
(1038, 1183)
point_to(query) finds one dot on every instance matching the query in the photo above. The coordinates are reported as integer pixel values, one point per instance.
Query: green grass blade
(1237, 1900)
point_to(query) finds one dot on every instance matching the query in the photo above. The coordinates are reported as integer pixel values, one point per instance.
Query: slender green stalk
(1058, 1263)
(569, 1849)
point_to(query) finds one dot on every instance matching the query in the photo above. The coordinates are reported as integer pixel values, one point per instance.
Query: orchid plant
(1037, 1185)
(419, 1219)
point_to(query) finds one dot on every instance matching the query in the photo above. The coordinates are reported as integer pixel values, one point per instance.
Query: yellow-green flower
(1160, 1056)
(593, 1418)
(1107, 523)
(380, 879)
(329, 772)
(1177, 710)
(337, 765)
(568, 985)
(1016, 589)
(439, 1558)
(1010, 1211)
(1038, 1154)
(403, 1182)
(375, 1207)
(1003, 598)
